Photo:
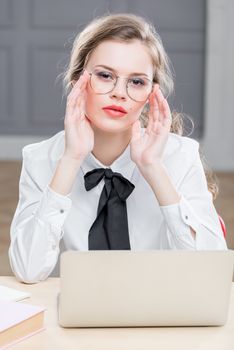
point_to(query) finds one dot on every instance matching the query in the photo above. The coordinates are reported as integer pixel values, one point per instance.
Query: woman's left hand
(147, 150)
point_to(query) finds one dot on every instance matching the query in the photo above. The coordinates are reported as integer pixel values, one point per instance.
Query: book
(19, 321)
(11, 294)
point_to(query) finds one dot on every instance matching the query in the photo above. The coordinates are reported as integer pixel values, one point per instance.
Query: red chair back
(223, 226)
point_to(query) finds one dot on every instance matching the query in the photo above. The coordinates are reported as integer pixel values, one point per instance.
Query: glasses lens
(139, 88)
(102, 82)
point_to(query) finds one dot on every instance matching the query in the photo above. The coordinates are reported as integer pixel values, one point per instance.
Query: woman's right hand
(79, 135)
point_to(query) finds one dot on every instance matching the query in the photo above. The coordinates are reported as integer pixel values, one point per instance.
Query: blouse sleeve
(37, 227)
(195, 210)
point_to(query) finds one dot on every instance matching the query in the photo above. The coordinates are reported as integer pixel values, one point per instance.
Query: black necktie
(110, 228)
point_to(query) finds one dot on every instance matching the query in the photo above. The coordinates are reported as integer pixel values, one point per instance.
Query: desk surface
(55, 337)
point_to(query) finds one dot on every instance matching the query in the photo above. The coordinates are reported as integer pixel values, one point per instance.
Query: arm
(163, 188)
(189, 211)
(37, 226)
(197, 210)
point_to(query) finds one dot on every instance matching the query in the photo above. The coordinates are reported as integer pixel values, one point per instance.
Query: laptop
(145, 288)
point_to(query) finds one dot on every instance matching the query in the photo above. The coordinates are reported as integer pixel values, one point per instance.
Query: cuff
(53, 208)
(179, 218)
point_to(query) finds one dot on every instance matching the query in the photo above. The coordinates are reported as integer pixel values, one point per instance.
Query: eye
(137, 82)
(104, 75)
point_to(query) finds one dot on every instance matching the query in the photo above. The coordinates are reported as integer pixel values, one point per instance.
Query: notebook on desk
(145, 288)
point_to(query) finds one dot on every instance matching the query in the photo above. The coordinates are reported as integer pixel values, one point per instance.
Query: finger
(83, 77)
(167, 118)
(73, 104)
(154, 110)
(75, 108)
(86, 74)
(74, 96)
(73, 99)
(136, 131)
(159, 94)
(83, 105)
(150, 118)
(80, 84)
(158, 128)
(160, 98)
(164, 109)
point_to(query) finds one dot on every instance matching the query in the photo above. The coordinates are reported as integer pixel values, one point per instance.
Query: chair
(223, 226)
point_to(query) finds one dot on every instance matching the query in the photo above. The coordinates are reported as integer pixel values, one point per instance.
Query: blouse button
(61, 211)
(186, 217)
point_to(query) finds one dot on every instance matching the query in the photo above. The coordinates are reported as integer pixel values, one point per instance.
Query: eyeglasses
(103, 82)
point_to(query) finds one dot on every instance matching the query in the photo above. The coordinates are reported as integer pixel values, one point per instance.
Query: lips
(115, 108)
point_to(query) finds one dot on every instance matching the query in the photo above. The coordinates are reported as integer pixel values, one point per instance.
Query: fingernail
(85, 73)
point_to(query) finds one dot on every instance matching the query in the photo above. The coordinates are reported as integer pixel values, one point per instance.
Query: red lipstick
(115, 111)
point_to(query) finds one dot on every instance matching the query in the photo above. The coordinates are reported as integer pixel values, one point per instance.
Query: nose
(119, 91)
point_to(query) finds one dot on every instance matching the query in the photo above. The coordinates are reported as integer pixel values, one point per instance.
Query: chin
(110, 126)
(113, 129)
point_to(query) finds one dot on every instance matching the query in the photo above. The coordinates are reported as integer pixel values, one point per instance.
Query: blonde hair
(129, 27)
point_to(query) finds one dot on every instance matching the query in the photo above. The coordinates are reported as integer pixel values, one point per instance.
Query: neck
(109, 146)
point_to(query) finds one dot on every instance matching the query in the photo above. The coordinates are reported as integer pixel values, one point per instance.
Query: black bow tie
(110, 228)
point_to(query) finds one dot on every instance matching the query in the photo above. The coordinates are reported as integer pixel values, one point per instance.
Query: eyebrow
(113, 70)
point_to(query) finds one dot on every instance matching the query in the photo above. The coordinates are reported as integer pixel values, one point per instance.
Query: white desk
(56, 338)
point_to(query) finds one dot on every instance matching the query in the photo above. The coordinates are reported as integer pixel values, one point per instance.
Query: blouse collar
(123, 164)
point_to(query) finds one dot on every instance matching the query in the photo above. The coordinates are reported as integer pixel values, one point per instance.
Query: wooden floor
(9, 178)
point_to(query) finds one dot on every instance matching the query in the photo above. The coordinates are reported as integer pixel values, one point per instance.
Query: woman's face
(122, 59)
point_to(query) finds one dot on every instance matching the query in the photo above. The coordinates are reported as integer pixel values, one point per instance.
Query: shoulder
(40, 159)
(181, 146)
(50, 149)
(180, 155)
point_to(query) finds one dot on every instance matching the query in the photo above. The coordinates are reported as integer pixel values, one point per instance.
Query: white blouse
(46, 223)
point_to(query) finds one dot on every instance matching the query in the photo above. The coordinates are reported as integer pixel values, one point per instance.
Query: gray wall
(218, 138)
(35, 39)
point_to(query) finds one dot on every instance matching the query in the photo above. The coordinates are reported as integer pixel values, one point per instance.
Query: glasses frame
(116, 80)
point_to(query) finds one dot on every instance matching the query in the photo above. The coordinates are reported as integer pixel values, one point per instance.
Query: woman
(106, 182)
